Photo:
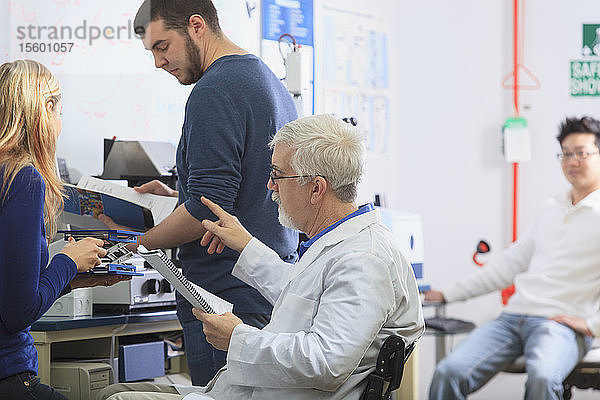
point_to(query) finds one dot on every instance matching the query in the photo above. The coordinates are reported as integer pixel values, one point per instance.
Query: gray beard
(284, 218)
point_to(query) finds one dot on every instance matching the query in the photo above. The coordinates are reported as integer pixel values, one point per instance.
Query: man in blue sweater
(235, 107)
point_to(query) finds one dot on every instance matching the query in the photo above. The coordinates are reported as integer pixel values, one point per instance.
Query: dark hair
(580, 125)
(175, 15)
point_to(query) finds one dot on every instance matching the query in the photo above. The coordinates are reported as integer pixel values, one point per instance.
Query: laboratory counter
(49, 330)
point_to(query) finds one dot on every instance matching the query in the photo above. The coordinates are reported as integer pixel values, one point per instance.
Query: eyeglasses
(274, 178)
(577, 156)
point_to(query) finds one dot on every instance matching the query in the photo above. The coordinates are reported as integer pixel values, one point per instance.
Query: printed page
(218, 304)
(160, 206)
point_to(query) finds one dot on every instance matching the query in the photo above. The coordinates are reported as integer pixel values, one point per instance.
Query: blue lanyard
(306, 244)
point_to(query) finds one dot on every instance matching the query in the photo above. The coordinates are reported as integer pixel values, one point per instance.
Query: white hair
(325, 146)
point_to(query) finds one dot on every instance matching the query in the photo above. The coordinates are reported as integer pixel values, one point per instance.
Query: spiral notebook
(198, 297)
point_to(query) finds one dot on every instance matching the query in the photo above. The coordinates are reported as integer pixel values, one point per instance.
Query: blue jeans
(202, 358)
(27, 386)
(551, 351)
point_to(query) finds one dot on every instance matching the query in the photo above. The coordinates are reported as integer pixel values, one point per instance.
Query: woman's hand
(86, 253)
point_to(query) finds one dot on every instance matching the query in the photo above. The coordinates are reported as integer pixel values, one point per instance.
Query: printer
(138, 294)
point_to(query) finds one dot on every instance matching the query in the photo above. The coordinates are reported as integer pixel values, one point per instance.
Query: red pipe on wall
(507, 292)
(515, 198)
(516, 104)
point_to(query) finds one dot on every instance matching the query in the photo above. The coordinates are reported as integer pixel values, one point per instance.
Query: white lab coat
(332, 311)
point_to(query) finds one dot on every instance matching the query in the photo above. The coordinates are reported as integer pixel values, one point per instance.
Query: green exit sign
(585, 78)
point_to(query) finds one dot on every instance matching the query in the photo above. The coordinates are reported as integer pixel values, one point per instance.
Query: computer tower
(80, 380)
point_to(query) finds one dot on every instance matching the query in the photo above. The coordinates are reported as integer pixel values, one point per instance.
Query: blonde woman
(30, 199)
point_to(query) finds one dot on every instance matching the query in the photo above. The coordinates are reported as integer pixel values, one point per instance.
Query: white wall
(449, 59)
(447, 115)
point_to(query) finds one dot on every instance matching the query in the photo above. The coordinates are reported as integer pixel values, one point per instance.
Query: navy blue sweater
(27, 287)
(232, 113)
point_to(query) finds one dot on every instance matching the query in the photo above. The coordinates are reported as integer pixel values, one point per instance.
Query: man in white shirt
(349, 291)
(555, 266)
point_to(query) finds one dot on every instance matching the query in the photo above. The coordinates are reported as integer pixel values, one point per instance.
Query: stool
(585, 375)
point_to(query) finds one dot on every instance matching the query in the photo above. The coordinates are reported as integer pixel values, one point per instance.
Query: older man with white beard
(349, 291)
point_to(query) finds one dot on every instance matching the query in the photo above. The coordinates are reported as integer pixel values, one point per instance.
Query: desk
(440, 337)
(48, 330)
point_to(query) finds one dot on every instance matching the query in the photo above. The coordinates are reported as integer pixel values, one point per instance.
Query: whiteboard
(109, 83)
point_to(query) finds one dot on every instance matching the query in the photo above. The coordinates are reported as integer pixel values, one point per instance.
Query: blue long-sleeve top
(223, 154)
(28, 284)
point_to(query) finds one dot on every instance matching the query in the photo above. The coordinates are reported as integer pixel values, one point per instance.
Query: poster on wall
(294, 20)
(294, 17)
(591, 40)
(585, 74)
(351, 85)
(585, 78)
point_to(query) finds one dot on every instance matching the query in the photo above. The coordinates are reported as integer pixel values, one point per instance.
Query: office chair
(388, 370)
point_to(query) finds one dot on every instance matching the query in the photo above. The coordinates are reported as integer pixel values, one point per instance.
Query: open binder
(92, 197)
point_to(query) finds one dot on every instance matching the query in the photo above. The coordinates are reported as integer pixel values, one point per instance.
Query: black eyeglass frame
(276, 178)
